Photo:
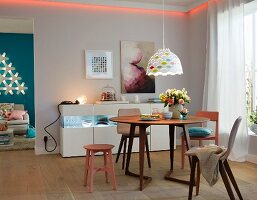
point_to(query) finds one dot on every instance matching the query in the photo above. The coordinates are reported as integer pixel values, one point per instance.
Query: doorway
(16, 83)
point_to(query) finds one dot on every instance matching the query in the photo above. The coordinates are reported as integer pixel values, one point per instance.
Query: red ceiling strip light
(199, 8)
(88, 6)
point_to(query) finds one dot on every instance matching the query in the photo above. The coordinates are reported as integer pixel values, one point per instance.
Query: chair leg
(120, 147)
(105, 167)
(192, 177)
(86, 166)
(114, 185)
(147, 152)
(124, 152)
(183, 152)
(198, 173)
(92, 158)
(232, 179)
(200, 143)
(225, 180)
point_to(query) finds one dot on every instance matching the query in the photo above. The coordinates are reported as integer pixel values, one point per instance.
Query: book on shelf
(112, 102)
(4, 138)
(154, 100)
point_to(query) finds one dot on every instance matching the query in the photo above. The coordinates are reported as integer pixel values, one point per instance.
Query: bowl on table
(167, 115)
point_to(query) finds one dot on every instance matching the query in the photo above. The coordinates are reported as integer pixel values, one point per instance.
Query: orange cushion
(16, 115)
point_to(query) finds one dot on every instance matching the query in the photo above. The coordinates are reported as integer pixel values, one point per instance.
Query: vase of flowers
(175, 109)
(183, 113)
(175, 99)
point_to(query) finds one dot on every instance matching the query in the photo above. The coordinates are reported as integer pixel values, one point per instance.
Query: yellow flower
(174, 96)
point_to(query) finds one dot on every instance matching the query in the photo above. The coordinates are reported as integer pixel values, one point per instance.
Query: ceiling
(171, 5)
(19, 25)
(167, 2)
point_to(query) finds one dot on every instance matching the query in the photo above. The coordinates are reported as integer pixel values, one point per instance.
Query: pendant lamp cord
(163, 45)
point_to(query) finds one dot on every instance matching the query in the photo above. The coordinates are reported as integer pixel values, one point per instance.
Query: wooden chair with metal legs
(214, 117)
(124, 130)
(224, 168)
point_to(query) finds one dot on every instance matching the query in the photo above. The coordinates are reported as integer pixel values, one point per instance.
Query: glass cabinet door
(86, 121)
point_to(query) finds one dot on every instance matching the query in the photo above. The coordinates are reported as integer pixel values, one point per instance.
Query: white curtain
(224, 88)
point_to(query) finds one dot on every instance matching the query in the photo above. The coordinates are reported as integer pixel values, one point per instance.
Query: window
(250, 31)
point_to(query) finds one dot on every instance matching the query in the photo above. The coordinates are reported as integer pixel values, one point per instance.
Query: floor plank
(25, 176)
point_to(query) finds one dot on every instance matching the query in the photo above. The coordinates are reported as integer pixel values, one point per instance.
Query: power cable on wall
(45, 128)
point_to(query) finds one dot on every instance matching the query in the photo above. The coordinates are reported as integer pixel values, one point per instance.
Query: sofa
(19, 126)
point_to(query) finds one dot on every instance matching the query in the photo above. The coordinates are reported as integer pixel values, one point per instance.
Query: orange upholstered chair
(214, 117)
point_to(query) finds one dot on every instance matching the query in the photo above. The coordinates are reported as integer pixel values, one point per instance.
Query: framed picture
(98, 64)
(134, 60)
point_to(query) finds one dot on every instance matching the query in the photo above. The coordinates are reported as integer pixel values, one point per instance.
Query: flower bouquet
(175, 99)
(174, 96)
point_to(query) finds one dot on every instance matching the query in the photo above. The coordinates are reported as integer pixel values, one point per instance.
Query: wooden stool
(91, 149)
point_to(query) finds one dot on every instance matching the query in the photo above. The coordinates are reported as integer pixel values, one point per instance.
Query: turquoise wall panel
(19, 48)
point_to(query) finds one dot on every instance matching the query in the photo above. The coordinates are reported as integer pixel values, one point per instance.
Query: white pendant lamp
(164, 62)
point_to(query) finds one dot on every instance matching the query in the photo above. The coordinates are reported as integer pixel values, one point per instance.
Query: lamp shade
(164, 63)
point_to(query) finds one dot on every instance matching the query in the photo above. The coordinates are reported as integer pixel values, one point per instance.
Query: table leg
(131, 137)
(142, 136)
(188, 144)
(172, 136)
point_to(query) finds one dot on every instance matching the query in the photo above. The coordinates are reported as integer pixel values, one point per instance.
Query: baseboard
(41, 150)
(252, 158)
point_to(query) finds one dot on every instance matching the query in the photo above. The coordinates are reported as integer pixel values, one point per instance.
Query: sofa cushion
(16, 115)
(18, 107)
(6, 109)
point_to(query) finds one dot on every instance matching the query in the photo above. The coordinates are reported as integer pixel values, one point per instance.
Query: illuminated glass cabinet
(87, 121)
(90, 124)
(77, 128)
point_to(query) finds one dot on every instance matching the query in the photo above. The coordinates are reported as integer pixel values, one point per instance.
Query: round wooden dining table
(143, 124)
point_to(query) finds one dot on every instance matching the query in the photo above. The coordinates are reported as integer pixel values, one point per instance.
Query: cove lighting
(73, 5)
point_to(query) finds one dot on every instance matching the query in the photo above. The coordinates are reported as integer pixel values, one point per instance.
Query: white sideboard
(85, 124)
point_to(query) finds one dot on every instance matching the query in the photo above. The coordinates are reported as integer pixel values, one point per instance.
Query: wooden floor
(24, 175)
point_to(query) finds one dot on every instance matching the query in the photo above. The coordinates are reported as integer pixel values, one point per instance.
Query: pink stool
(91, 149)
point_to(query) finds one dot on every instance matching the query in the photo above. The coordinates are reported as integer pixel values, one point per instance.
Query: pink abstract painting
(134, 60)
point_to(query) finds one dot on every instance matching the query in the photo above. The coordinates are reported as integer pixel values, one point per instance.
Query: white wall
(197, 56)
(195, 71)
(62, 33)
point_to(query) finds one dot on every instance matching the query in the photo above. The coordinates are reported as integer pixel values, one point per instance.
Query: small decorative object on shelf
(175, 99)
(183, 113)
(136, 99)
(108, 94)
(82, 99)
(154, 100)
